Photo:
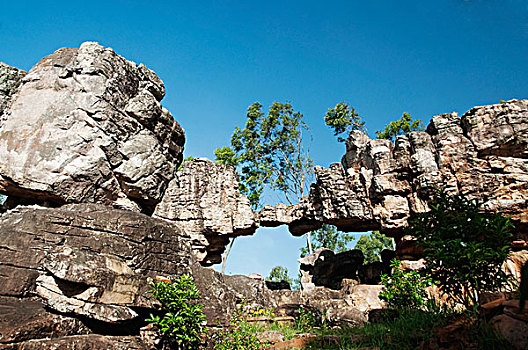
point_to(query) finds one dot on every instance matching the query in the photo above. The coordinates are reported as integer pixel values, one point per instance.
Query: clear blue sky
(216, 58)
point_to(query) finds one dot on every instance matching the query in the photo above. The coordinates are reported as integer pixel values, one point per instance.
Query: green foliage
(307, 319)
(402, 126)
(182, 316)
(328, 237)
(405, 332)
(404, 290)
(269, 151)
(279, 274)
(464, 249)
(240, 335)
(343, 119)
(373, 244)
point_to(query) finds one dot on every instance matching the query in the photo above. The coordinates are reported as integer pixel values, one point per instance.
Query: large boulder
(87, 259)
(204, 200)
(86, 125)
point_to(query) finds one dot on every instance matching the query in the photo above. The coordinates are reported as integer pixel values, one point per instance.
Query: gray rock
(380, 186)
(10, 79)
(86, 125)
(88, 259)
(204, 200)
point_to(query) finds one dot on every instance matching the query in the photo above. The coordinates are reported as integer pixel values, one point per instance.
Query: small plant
(262, 312)
(404, 290)
(307, 319)
(240, 335)
(464, 249)
(181, 317)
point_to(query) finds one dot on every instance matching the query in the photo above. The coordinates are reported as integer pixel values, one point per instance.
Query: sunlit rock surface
(86, 125)
(203, 199)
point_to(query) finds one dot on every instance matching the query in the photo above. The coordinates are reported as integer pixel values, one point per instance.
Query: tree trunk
(309, 239)
(226, 254)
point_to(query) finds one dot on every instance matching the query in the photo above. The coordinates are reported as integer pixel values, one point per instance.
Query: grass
(404, 332)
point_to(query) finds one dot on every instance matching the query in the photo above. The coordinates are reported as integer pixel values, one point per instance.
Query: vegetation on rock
(404, 290)
(342, 119)
(269, 151)
(402, 126)
(464, 249)
(181, 319)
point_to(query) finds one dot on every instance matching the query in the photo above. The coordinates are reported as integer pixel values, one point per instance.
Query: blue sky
(217, 57)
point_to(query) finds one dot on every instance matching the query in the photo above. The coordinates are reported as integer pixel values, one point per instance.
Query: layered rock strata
(86, 125)
(380, 185)
(204, 200)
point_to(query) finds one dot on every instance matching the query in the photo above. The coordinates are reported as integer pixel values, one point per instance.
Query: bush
(307, 319)
(463, 248)
(404, 290)
(239, 336)
(182, 317)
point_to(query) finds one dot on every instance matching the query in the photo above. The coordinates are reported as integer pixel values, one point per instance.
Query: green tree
(328, 237)
(402, 126)
(279, 274)
(342, 119)
(269, 151)
(371, 245)
(464, 249)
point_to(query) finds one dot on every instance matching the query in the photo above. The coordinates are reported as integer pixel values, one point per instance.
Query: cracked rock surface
(88, 259)
(203, 199)
(380, 185)
(86, 125)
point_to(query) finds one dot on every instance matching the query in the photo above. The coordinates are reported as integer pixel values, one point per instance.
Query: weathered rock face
(10, 79)
(86, 125)
(483, 155)
(88, 259)
(324, 268)
(204, 200)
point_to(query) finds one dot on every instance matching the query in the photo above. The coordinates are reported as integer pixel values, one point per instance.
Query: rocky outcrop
(86, 125)
(380, 185)
(325, 268)
(204, 200)
(10, 78)
(87, 259)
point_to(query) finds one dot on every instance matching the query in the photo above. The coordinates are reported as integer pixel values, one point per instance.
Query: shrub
(240, 335)
(463, 248)
(307, 319)
(404, 290)
(181, 317)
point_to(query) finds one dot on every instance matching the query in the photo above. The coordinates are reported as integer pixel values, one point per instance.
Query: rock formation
(86, 125)
(204, 200)
(10, 78)
(379, 186)
(89, 159)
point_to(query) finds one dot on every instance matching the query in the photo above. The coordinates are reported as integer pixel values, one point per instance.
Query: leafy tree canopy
(269, 150)
(464, 249)
(402, 126)
(328, 237)
(279, 274)
(371, 245)
(342, 119)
